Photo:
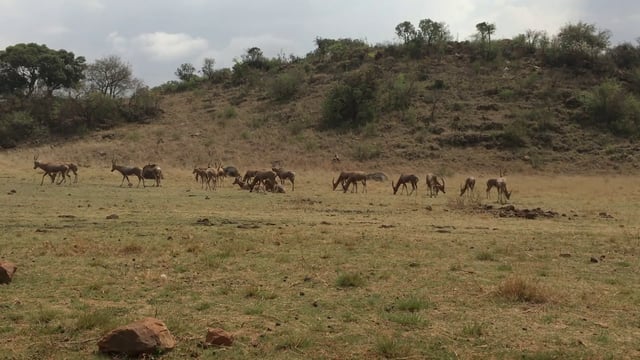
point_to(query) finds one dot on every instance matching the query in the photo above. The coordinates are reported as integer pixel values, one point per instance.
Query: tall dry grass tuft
(517, 289)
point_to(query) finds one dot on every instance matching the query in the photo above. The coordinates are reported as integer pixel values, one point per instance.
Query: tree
(30, 67)
(485, 30)
(110, 76)
(406, 31)
(582, 41)
(186, 72)
(207, 68)
(433, 33)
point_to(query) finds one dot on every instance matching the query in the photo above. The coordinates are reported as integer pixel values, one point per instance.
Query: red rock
(142, 337)
(218, 337)
(7, 270)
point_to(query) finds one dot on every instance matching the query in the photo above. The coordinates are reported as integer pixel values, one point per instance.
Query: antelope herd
(211, 177)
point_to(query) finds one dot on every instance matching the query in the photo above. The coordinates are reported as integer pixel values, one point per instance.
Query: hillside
(513, 114)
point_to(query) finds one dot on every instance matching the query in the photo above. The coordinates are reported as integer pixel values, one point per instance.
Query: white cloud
(165, 46)
(54, 30)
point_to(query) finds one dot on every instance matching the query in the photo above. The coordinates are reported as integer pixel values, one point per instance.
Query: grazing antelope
(285, 175)
(354, 178)
(469, 185)
(152, 172)
(342, 178)
(403, 180)
(434, 185)
(51, 169)
(126, 171)
(501, 186)
(261, 177)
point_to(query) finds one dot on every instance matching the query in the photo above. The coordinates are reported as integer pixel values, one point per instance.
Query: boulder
(218, 337)
(7, 270)
(142, 337)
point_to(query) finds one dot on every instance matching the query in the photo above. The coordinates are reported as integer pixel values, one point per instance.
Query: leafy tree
(625, 55)
(581, 43)
(186, 72)
(434, 33)
(207, 68)
(609, 106)
(27, 68)
(406, 31)
(254, 58)
(352, 103)
(485, 30)
(110, 76)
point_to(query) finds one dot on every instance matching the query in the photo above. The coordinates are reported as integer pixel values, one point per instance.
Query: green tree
(110, 76)
(406, 31)
(581, 43)
(186, 72)
(485, 30)
(434, 33)
(28, 68)
(207, 68)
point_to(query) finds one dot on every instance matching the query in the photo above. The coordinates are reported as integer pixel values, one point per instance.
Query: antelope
(72, 167)
(152, 172)
(469, 185)
(241, 184)
(249, 175)
(51, 169)
(353, 179)
(220, 173)
(403, 180)
(501, 186)
(262, 176)
(126, 171)
(285, 175)
(201, 175)
(212, 177)
(434, 185)
(342, 178)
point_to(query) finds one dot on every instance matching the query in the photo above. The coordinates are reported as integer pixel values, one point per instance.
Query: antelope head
(35, 161)
(113, 164)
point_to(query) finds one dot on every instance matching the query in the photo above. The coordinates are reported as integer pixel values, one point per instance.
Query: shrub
(15, 127)
(285, 86)
(609, 106)
(514, 135)
(517, 289)
(400, 94)
(349, 280)
(351, 103)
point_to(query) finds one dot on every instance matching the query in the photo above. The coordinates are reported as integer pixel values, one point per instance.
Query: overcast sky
(156, 36)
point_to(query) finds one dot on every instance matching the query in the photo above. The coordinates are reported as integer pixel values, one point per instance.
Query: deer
(434, 185)
(152, 172)
(501, 186)
(261, 177)
(285, 175)
(469, 185)
(51, 169)
(403, 180)
(126, 171)
(354, 178)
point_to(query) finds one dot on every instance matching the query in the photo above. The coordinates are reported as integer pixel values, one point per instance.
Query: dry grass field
(321, 274)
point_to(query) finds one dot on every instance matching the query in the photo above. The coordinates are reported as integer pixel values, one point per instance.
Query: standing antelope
(152, 172)
(434, 185)
(469, 185)
(403, 180)
(50, 169)
(501, 186)
(262, 177)
(285, 175)
(126, 171)
(201, 176)
(72, 168)
(249, 175)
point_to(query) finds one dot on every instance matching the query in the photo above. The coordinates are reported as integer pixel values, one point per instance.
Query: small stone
(113, 216)
(218, 337)
(147, 336)
(7, 269)
(594, 260)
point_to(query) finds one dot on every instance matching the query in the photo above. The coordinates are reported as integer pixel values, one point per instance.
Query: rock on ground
(141, 337)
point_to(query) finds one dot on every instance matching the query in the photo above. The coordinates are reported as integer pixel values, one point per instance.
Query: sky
(156, 36)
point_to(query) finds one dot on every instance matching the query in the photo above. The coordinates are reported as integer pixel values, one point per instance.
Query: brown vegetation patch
(518, 289)
(510, 211)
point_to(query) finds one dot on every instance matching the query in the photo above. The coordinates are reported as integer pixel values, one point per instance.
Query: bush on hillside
(15, 127)
(286, 86)
(352, 102)
(609, 106)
